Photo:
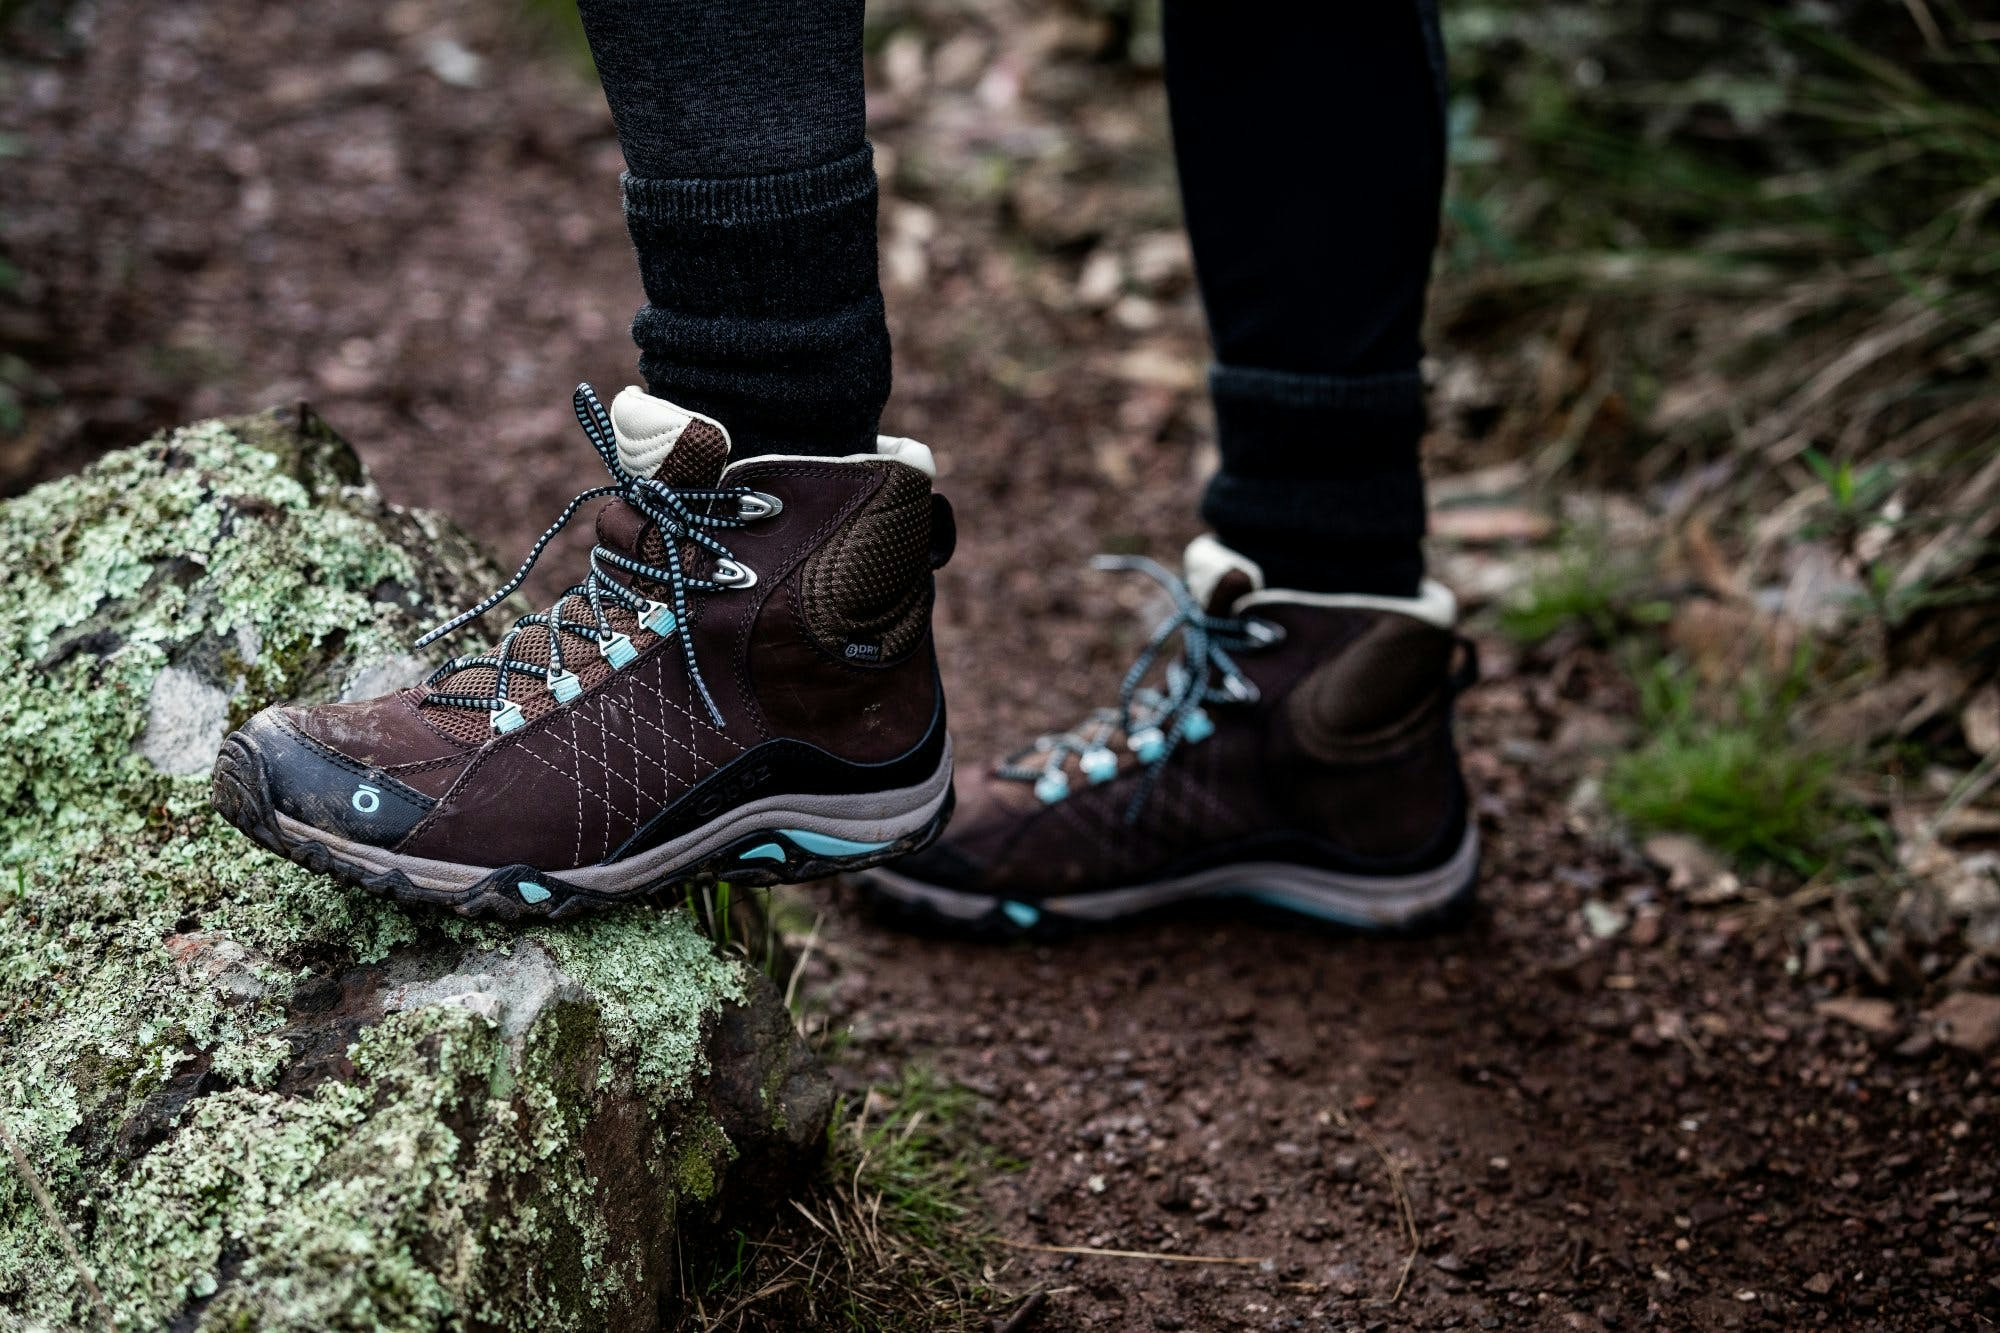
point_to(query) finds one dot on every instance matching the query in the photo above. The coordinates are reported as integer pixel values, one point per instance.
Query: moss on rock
(261, 1099)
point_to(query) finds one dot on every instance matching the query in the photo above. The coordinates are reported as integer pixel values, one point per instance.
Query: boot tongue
(1219, 577)
(623, 529)
(667, 443)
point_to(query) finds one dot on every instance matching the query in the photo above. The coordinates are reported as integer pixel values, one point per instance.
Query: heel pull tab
(944, 531)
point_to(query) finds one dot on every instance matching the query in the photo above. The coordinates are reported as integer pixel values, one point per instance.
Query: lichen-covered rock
(259, 1099)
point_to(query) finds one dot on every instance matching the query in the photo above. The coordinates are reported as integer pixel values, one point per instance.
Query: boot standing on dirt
(1286, 734)
(742, 685)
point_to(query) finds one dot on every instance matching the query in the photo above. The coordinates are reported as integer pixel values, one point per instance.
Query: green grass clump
(1587, 588)
(1735, 777)
(918, 1159)
(1726, 786)
(888, 1238)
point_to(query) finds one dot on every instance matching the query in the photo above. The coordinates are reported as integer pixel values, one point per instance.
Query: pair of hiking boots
(743, 687)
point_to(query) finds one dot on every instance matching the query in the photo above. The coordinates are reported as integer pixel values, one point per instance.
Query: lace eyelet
(758, 505)
(1099, 764)
(1241, 690)
(617, 650)
(1051, 786)
(565, 686)
(1263, 633)
(659, 618)
(1149, 744)
(1197, 726)
(508, 717)
(730, 574)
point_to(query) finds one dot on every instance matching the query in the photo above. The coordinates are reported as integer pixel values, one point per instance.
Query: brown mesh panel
(580, 655)
(696, 461)
(870, 583)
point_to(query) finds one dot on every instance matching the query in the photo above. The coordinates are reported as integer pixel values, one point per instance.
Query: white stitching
(576, 857)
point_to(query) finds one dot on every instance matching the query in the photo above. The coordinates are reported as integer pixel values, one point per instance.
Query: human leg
(1298, 749)
(750, 197)
(1312, 168)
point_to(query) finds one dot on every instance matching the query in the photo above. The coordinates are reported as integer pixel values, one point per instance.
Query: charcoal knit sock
(1319, 482)
(763, 308)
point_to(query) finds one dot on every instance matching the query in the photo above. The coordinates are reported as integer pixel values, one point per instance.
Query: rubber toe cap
(281, 767)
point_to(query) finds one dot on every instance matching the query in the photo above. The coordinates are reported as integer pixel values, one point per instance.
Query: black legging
(1311, 153)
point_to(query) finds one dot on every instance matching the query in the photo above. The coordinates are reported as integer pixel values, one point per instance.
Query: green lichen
(149, 954)
(702, 1151)
(654, 986)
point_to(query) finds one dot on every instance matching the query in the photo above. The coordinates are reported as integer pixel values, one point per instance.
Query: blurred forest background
(1716, 449)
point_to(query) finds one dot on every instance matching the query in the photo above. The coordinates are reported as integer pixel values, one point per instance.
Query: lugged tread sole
(241, 794)
(934, 910)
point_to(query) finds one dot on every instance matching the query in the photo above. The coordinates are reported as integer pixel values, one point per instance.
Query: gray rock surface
(247, 1097)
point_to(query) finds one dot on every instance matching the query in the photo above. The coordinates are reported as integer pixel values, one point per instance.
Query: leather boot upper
(819, 667)
(1343, 759)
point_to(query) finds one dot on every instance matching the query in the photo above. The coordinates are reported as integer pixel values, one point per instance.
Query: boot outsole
(1444, 900)
(241, 794)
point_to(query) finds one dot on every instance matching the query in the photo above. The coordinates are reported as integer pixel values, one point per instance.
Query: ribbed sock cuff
(748, 200)
(763, 309)
(1320, 481)
(1273, 417)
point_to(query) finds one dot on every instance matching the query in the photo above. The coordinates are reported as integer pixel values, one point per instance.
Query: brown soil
(222, 205)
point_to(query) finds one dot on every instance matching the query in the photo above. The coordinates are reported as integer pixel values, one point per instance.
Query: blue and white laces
(683, 514)
(1154, 721)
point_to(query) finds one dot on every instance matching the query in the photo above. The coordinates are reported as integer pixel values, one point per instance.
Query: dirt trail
(1654, 1130)
(1619, 1117)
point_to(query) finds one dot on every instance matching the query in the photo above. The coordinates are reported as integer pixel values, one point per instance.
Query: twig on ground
(1153, 1255)
(57, 1225)
(1843, 915)
(1968, 789)
(799, 968)
(1406, 1212)
(1025, 1313)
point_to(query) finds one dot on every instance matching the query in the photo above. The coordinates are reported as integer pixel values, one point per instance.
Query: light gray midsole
(1385, 900)
(867, 817)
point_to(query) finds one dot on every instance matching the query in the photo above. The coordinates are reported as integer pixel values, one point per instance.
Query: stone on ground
(255, 1098)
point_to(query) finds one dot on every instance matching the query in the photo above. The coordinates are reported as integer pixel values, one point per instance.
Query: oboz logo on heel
(864, 652)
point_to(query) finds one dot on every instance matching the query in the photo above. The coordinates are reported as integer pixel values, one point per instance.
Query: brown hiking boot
(1299, 753)
(742, 688)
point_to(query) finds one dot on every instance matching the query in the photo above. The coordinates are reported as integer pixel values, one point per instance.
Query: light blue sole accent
(764, 851)
(532, 892)
(1021, 914)
(1372, 903)
(1334, 916)
(821, 844)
